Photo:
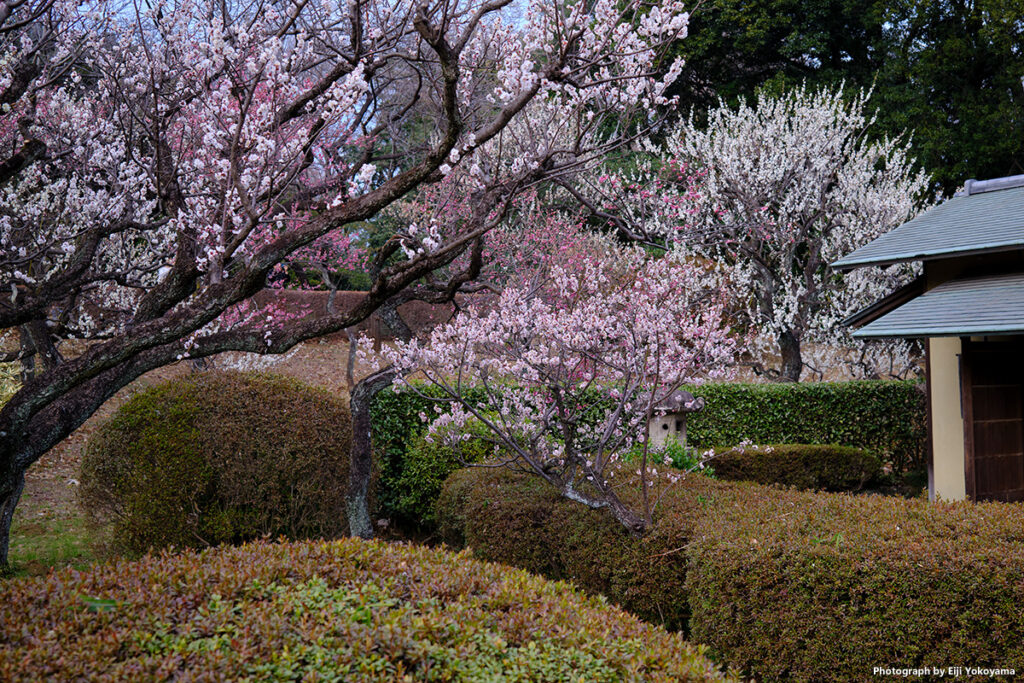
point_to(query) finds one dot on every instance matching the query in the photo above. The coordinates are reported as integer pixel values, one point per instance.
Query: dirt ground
(49, 528)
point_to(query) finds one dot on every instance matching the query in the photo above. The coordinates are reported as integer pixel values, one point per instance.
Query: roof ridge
(973, 186)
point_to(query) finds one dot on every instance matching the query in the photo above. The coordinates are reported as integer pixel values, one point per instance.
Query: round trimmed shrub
(219, 457)
(804, 466)
(347, 610)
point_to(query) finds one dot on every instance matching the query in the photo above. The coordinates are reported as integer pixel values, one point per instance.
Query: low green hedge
(886, 418)
(782, 584)
(341, 611)
(827, 468)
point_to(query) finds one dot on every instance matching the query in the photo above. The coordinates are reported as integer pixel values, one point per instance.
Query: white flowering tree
(567, 374)
(161, 160)
(767, 196)
(786, 187)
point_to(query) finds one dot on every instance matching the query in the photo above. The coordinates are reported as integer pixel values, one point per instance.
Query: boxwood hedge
(219, 457)
(782, 584)
(327, 611)
(887, 418)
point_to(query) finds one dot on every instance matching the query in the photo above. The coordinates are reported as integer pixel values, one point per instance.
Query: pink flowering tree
(161, 160)
(565, 376)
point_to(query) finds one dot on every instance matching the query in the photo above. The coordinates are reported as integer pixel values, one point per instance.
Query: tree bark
(388, 313)
(28, 360)
(9, 497)
(636, 524)
(792, 362)
(360, 465)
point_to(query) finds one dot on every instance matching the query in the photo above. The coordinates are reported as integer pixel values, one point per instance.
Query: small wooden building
(968, 306)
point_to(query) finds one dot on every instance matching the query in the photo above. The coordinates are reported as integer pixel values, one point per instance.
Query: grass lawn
(37, 545)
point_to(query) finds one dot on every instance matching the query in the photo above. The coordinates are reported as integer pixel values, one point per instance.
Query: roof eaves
(920, 333)
(847, 263)
(869, 314)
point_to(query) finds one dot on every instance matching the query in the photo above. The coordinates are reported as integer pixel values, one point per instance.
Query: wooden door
(993, 395)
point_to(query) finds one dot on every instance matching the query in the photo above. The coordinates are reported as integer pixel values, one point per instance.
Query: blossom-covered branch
(567, 375)
(163, 161)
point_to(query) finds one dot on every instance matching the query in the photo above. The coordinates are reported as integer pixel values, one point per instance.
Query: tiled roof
(992, 305)
(986, 220)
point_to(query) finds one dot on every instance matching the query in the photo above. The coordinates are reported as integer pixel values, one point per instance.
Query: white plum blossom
(776, 191)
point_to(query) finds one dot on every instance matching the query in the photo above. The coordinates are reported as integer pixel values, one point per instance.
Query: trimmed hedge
(219, 457)
(782, 584)
(824, 587)
(521, 520)
(828, 468)
(886, 418)
(342, 611)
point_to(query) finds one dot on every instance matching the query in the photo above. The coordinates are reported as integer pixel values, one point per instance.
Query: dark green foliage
(426, 466)
(887, 418)
(784, 584)
(949, 73)
(953, 79)
(341, 611)
(736, 46)
(828, 468)
(396, 422)
(883, 417)
(219, 457)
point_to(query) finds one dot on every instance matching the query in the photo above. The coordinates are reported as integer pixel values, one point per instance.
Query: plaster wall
(947, 420)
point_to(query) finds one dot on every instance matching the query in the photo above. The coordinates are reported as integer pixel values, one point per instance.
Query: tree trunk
(28, 360)
(388, 313)
(11, 492)
(361, 461)
(636, 524)
(792, 362)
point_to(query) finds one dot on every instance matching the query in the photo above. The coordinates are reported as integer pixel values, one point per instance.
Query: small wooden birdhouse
(669, 419)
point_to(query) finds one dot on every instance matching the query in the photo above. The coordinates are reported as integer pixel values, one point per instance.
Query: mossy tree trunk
(357, 503)
(10, 493)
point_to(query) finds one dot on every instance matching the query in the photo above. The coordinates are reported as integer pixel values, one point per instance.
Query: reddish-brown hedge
(782, 584)
(330, 611)
(805, 466)
(824, 587)
(520, 520)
